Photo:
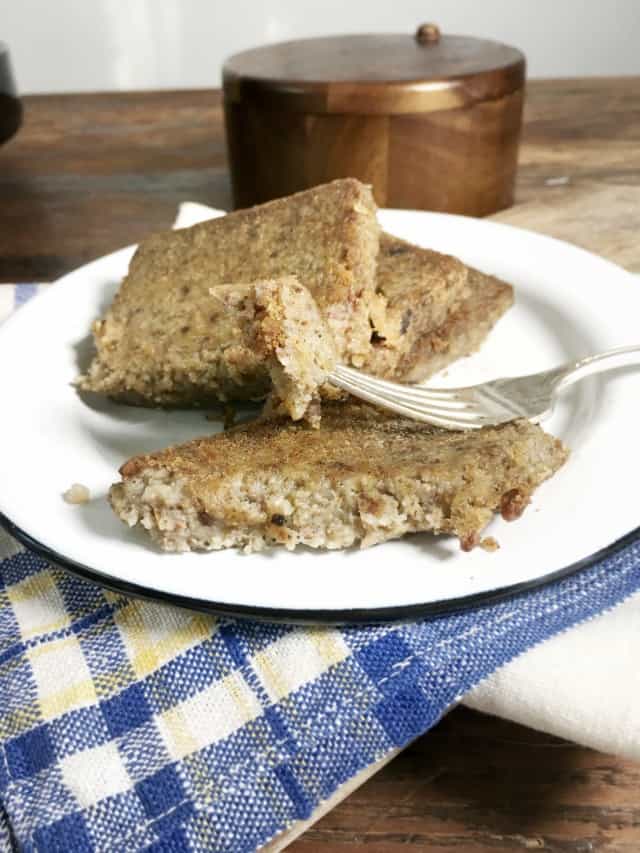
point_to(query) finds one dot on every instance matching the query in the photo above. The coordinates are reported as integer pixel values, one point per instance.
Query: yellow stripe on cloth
(38, 605)
(209, 716)
(154, 633)
(298, 658)
(62, 676)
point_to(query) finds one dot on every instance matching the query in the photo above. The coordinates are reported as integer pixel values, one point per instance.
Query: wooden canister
(432, 122)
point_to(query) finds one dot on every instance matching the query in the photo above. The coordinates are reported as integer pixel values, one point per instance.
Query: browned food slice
(434, 310)
(245, 340)
(364, 476)
(463, 331)
(146, 343)
(419, 288)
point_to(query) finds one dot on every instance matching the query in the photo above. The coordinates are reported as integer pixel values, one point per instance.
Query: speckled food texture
(255, 339)
(161, 325)
(163, 343)
(434, 309)
(418, 289)
(463, 330)
(290, 341)
(364, 476)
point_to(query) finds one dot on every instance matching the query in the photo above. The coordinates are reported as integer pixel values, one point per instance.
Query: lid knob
(428, 34)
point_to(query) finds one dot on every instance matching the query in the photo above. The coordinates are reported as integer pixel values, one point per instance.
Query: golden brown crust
(163, 343)
(161, 328)
(363, 476)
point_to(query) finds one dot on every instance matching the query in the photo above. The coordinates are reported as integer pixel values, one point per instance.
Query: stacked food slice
(263, 303)
(432, 310)
(169, 338)
(164, 339)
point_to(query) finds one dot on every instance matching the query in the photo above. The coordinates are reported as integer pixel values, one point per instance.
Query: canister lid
(375, 74)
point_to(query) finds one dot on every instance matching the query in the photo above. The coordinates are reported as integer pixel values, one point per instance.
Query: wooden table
(90, 173)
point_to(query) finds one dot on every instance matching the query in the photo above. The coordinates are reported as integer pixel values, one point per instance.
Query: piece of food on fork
(364, 476)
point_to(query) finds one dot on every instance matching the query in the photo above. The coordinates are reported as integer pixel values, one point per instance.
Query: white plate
(569, 303)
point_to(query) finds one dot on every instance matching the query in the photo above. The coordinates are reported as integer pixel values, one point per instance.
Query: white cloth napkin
(582, 685)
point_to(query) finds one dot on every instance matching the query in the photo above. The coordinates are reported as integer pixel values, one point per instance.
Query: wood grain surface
(408, 159)
(475, 784)
(430, 123)
(88, 174)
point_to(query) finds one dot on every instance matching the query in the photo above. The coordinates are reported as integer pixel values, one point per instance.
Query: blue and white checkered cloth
(129, 726)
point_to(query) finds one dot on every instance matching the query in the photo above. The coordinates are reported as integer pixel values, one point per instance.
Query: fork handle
(610, 360)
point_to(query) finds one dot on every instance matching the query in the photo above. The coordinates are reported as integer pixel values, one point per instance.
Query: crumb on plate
(77, 494)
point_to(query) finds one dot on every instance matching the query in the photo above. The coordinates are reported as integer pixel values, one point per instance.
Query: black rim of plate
(314, 617)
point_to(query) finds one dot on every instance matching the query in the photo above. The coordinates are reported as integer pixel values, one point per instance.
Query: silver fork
(531, 397)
